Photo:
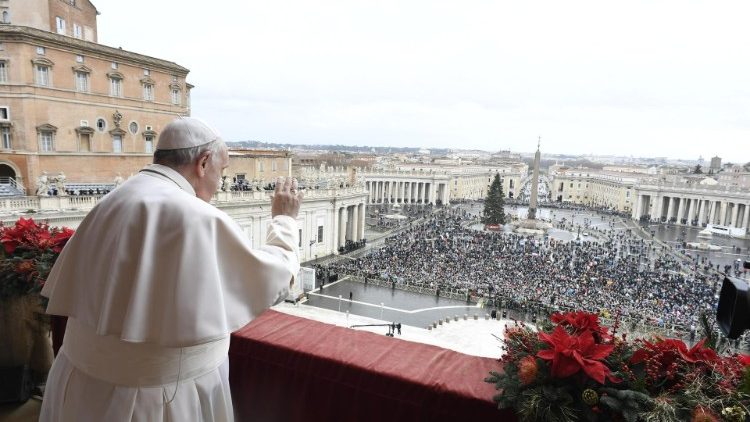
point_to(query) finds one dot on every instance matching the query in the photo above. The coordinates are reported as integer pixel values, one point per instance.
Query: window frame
(7, 137)
(116, 148)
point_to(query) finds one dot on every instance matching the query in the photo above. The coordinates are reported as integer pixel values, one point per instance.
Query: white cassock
(153, 282)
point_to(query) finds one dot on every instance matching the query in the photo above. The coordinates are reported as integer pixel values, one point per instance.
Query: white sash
(119, 362)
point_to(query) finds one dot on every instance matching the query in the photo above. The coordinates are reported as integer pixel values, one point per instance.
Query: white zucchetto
(186, 132)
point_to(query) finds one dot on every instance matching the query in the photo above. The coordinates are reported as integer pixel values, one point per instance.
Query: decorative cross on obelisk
(535, 182)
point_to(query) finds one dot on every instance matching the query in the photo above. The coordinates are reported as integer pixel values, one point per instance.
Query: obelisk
(534, 183)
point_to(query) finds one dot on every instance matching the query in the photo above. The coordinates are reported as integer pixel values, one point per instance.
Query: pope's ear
(202, 162)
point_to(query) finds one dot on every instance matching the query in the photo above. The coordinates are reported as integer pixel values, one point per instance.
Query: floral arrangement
(29, 251)
(574, 369)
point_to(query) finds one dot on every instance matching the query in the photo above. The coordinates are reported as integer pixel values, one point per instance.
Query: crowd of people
(621, 273)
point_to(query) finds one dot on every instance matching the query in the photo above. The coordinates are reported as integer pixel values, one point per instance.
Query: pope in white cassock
(154, 281)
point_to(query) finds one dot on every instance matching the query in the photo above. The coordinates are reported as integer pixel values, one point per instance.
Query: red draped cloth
(286, 368)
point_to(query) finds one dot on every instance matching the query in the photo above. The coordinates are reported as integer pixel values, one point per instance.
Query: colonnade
(407, 192)
(698, 211)
(350, 224)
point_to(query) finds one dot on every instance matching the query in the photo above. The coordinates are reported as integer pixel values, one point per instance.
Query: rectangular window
(300, 238)
(60, 25)
(116, 143)
(4, 113)
(114, 65)
(149, 144)
(40, 51)
(148, 92)
(320, 233)
(79, 58)
(146, 72)
(77, 31)
(42, 75)
(6, 138)
(88, 33)
(176, 96)
(46, 142)
(82, 82)
(115, 87)
(3, 72)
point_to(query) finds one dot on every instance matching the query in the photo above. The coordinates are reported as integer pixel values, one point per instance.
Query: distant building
(715, 164)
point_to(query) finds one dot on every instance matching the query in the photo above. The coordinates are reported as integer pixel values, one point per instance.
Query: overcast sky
(642, 78)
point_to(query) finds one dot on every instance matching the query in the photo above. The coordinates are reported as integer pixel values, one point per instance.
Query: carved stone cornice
(115, 75)
(37, 36)
(151, 133)
(146, 80)
(42, 61)
(82, 69)
(46, 128)
(84, 130)
(117, 131)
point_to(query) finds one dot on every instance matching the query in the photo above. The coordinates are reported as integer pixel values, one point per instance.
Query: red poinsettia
(667, 351)
(30, 250)
(579, 322)
(60, 238)
(572, 353)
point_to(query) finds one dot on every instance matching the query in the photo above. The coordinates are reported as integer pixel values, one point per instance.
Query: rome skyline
(643, 80)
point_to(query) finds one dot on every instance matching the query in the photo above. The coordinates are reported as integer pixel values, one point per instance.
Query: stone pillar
(342, 227)
(723, 215)
(746, 218)
(654, 207)
(361, 229)
(735, 212)
(691, 210)
(702, 213)
(636, 209)
(711, 212)
(355, 223)
(670, 207)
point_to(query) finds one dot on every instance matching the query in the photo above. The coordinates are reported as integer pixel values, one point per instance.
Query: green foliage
(547, 403)
(494, 212)
(628, 403)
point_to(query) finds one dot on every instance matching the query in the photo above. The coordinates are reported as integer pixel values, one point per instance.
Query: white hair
(180, 157)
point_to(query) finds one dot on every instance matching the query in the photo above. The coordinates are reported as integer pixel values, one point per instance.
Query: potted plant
(574, 369)
(29, 249)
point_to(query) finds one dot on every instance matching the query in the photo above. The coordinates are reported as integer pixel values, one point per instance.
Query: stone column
(691, 210)
(670, 207)
(355, 223)
(711, 212)
(636, 209)
(746, 218)
(342, 227)
(362, 209)
(735, 212)
(654, 201)
(701, 212)
(723, 215)
(680, 209)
